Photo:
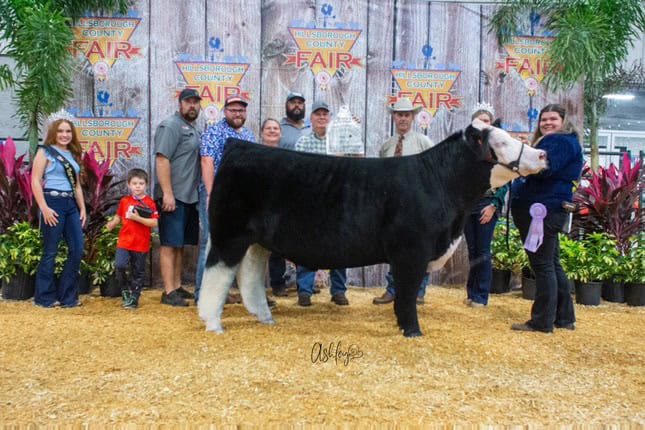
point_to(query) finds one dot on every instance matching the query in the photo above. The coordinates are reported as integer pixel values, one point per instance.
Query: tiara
(61, 114)
(484, 106)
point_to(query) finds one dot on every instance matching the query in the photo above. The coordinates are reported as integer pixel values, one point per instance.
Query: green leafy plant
(21, 247)
(633, 267)
(103, 265)
(593, 258)
(507, 257)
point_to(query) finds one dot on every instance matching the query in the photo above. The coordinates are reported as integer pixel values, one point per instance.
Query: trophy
(344, 134)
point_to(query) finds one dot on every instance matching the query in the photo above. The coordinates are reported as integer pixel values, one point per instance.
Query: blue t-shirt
(55, 176)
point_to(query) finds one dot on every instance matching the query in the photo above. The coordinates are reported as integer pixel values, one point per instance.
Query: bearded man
(293, 124)
(178, 171)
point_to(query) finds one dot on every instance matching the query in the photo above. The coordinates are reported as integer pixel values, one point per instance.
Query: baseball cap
(236, 98)
(293, 95)
(319, 105)
(189, 93)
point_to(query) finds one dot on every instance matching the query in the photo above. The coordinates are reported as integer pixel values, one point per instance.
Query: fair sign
(214, 82)
(528, 56)
(429, 89)
(103, 40)
(324, 51)
(108, 137)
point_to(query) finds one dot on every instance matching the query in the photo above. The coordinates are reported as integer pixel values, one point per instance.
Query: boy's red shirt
(135, 236)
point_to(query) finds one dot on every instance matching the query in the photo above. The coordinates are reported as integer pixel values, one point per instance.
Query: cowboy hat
(404, 105)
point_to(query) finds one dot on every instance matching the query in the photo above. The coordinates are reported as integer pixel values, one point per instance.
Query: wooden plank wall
(257, 30)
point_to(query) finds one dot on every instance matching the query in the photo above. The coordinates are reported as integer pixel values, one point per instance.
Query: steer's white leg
(216, 282)
(251, 279)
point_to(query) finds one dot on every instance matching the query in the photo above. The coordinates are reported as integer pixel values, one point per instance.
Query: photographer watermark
(335, 353)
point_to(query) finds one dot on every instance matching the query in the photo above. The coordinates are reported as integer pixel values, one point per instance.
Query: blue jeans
(392, 292)
(553, 304)
(478, 239)
(65, 290)
(203, 238)
(306, 277)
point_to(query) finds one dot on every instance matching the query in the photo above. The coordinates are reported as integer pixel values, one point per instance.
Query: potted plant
(103, 267)
(507, 255)
(20, 250)
(102, 196)
(635, 272)
(589, 261)
(608, 202)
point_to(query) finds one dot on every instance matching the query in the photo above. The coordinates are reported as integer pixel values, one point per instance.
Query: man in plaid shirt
(211, 150)
(315, 142)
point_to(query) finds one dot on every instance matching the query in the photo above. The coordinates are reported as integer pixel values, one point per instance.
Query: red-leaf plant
(610, 202)
(101, 196)
(16, 196)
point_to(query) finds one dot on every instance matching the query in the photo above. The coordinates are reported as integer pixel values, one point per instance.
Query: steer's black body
(334, 212)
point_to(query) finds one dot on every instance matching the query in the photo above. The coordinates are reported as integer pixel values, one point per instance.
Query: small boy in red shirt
(139, 215)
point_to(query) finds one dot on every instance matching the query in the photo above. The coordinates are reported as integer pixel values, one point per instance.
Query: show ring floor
(156, 366)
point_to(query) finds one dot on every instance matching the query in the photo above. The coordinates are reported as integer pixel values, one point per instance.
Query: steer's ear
(479, 124)
(474, 135)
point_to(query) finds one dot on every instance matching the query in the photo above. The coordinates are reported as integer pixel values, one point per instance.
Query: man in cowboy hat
(404, 142)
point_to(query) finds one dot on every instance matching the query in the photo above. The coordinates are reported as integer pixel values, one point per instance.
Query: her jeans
(478, 239)
(553, 303)
(204, 231)
(69, 226)
(392, 292)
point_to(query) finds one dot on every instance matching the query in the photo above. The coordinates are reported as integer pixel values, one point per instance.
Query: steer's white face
(508, 150)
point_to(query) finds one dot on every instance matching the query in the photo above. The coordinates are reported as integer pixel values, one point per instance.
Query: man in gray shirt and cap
(178, 171)
(293, 124)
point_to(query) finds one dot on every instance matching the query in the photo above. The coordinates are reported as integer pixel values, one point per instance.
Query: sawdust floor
(101, 365)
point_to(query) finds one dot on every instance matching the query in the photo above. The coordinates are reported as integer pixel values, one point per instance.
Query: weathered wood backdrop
(394, 34)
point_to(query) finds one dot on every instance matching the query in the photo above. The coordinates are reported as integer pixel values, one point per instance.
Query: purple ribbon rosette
(536, 229)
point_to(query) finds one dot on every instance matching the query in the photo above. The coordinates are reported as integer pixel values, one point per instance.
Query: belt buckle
(54, 193)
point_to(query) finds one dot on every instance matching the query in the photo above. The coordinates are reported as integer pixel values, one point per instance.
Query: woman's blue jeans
(478, 239)
(65, 289)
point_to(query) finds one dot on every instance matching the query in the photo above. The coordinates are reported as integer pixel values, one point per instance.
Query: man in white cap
(315, 142)
(404, 142)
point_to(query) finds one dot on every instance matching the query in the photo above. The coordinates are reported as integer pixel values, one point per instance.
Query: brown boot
(233, 299)
(384, 299)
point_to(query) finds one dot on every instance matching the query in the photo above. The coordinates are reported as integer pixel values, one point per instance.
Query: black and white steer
(335, 212)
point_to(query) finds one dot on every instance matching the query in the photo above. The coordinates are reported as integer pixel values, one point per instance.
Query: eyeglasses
(236, 110)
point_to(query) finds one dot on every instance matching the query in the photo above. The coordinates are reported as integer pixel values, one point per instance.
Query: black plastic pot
(110, 288)
(501, 282)
(613, 291)
(528, 287)
(588, 293)
(635, 294)
(20, 287)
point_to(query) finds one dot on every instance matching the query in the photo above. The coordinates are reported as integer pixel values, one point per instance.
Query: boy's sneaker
(133, 303)
(173, 299)
(126, 297)
(184, 293)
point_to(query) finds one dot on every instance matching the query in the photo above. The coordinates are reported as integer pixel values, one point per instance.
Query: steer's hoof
(214, 327)
(412, 333)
